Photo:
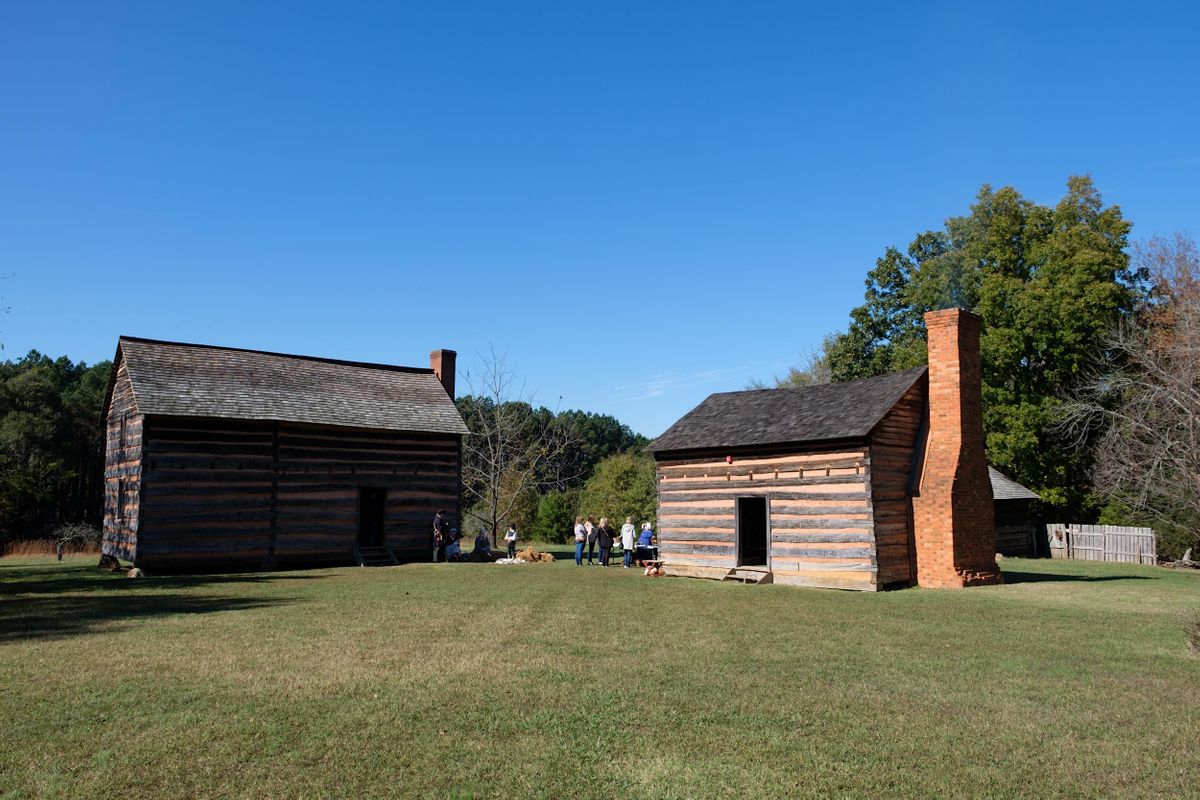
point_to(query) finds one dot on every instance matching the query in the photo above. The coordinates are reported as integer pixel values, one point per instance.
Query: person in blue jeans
(580, 540)
(627, 538)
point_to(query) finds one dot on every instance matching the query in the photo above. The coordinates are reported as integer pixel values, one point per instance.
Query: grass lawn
(474, 680)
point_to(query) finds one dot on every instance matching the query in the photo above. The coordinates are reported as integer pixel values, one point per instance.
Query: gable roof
(1005, 488)
(191, 380)
(785, 416)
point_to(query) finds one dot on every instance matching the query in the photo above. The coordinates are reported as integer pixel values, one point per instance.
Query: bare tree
(513, 450)
(1147, 404)
(813, 370)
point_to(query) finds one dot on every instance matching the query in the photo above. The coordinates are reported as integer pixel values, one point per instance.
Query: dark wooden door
(372, 505)
(752, 531)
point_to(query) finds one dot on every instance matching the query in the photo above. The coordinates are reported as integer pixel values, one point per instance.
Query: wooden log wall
(820, 518)
(257, 493)
(321, 470)
(892, 445)
(207, 493)
(122, 470)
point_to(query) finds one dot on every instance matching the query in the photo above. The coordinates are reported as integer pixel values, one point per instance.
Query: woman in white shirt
(580, 540)
(627, 531)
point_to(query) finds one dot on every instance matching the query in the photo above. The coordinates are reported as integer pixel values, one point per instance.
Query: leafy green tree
(1050, 284)
(622, 485)
(555, 520)
(886, 332)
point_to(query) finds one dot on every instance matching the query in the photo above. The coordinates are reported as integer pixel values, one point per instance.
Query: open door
(752, 531)
(372, 504)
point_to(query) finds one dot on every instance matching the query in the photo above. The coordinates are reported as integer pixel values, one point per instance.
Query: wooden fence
(1102, 543)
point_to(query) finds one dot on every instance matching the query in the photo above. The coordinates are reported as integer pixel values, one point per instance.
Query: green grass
(473, 680)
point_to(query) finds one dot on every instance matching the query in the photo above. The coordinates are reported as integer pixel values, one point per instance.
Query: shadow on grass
(1048, 577)
(45, 617)
(55, 578)
(561, 552)
(566, 552)
(56, 600)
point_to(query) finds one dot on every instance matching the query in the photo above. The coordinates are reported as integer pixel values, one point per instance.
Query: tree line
(1089, 354)
(51, 459)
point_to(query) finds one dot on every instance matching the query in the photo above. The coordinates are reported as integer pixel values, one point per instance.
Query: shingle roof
(176, 379)
(1005, 488)
(784, 416)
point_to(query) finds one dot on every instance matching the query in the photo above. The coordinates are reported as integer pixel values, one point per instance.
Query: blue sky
(639, 203)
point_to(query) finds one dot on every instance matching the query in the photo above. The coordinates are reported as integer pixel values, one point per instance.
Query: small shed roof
(176, 379)
(784, 416)
(1005, 488)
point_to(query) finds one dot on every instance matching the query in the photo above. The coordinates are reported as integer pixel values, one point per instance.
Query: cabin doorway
(752, 531)
(372, 505)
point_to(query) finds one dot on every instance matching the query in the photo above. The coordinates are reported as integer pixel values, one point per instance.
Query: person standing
(645, 545)
(604, 538)
(439, 536)
(590, 527)
(580, 539)
(627, 537)
(510, 539)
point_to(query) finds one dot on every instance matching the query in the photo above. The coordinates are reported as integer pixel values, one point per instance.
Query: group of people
(601, 537)
(639, 547)
(447, 541)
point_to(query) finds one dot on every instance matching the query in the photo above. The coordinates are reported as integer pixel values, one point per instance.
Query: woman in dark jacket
(604, 538)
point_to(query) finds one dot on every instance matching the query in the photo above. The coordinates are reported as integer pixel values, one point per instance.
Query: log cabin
(218, 457)
(1016, 534)
(862, 485)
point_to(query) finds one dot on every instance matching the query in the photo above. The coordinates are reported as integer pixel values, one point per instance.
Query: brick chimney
(442, 364)
(953, 518)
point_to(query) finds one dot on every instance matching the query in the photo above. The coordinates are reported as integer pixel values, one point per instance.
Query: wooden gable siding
(892, 445)
(819, 516)
(266, 493)
(122, 469)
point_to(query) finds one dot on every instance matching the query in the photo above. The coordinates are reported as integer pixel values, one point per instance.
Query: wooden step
(744, 575)
(375, 557)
